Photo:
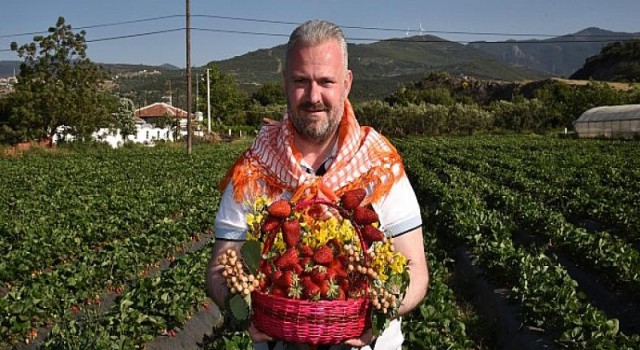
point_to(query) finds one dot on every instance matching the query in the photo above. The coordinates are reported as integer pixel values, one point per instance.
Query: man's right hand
(256, 335)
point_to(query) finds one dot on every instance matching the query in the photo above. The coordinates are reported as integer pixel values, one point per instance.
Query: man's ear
(348, 80)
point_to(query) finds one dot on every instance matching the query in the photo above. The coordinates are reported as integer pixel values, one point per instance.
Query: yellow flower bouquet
(314, 272)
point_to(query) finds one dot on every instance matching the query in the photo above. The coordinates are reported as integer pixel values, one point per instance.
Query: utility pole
(197, 91)
(208, 102)
(188, 30)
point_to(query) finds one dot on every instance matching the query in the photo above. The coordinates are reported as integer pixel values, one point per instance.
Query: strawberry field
(531, 242)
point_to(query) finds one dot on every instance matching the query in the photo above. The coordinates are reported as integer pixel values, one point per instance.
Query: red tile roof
(160, 109)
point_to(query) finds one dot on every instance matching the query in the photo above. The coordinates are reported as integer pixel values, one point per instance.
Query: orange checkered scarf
(272, 164)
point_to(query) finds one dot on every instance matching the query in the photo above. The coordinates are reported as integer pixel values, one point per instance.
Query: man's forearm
(411, 245)
(415, 293)
(216, 285)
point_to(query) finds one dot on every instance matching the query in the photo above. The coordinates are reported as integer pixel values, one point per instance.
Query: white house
(146, 132)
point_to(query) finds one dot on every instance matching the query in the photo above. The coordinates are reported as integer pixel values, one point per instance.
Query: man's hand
(256, 335)
(365, 339)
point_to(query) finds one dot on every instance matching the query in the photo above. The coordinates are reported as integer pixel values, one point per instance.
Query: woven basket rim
(316, 302)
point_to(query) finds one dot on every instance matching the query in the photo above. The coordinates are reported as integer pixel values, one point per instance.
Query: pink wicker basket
(309, 322)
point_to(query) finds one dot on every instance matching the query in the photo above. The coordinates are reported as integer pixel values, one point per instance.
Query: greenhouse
(609, 122)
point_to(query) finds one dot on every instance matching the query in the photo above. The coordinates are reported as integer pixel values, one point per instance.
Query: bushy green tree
(124, 118)
(256, 113)
(521, 115)
(468, 119)
(227, 101)
(566, 103)
(269, 94)
(437, 96)
(58, 86)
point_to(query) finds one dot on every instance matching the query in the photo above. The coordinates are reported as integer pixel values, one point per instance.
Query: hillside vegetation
(619, 61)
(380, 67)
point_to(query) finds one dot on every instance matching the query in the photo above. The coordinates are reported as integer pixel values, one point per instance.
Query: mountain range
(560, 56)
(379, 67)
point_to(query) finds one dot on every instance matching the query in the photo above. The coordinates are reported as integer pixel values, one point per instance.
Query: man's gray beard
(315, 135)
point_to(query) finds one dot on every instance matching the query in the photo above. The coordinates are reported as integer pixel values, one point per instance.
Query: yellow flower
(399, 263)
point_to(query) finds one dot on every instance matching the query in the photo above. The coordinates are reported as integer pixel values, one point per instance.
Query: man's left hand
(365, 339)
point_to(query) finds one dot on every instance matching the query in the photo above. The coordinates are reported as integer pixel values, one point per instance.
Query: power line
(254, 20)
(240, 32)
(557, 40)
(135, 35)
(600, 38)
(258, 20)
(98, 25)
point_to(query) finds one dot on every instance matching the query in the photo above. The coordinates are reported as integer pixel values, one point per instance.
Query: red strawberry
(262, 284)
(279, 209)
(364, 216)
(344, 284)
(296, 268)
(270, 224)
(310, 290)
(287, 259)
(305, 260)
(305, 250)
(318, 275)
(291, 232)
(334, 243)
(276, 276)
(277, 291)
(371, 234)
(329, 289)
(331, 274)
(352, 199)
(341, 295)
(323, 255)
(324, 288)
(337, 268)
(267, 269)
(285, 280)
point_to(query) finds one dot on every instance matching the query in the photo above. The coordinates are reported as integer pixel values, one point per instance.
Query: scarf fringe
(271, 165)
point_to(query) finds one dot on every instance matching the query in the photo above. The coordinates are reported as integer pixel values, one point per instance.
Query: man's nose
(313, 93)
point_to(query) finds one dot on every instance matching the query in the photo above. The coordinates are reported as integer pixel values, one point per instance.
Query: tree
(227, 102)
(59, 86)
(124, 118)
(269, 94)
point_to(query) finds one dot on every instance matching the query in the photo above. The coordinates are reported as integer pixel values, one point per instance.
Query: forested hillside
(619, 61)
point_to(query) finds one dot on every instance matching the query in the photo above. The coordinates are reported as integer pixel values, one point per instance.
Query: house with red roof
(161, 110)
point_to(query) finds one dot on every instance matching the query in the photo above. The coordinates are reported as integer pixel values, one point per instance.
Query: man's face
(317, 86)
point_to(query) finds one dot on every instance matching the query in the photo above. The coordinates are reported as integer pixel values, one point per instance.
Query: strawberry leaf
(251, 254)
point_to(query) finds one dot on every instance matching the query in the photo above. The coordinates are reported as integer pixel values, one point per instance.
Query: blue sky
(224, 29)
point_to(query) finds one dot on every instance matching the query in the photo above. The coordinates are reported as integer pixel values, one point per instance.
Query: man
(320, 150)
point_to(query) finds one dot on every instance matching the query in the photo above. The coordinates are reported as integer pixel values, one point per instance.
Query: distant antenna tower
(421, 29)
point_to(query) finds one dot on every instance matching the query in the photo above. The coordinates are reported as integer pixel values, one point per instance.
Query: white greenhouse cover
(610, 113)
